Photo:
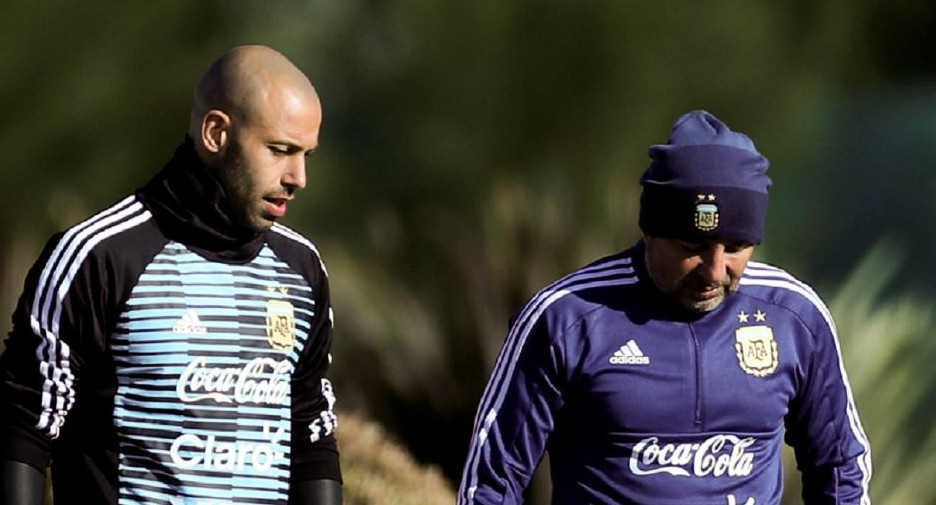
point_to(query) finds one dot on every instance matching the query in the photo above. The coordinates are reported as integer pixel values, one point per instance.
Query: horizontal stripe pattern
(203, 407)
(293, 235)
(762, 274)
(603, 274)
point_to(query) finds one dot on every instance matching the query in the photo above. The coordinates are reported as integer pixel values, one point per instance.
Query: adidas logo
(189, 324)
(629, 354)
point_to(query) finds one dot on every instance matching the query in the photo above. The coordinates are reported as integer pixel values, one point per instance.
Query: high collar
(190, 207)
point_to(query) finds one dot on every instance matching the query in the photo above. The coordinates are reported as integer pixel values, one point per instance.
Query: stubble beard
(686, 299)
(245, 212)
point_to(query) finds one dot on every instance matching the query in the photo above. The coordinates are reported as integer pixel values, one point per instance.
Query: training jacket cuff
(16, 446)
(320, 461)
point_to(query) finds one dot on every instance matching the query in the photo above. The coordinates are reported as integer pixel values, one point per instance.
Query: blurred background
(474, 151)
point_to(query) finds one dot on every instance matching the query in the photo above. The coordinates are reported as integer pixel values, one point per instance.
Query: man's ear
(215, 129)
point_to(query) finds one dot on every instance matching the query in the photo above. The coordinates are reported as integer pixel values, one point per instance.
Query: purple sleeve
(515, 417)
(832, 450)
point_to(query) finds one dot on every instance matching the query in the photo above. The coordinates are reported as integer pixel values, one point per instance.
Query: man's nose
(295, 175)
(715, 264)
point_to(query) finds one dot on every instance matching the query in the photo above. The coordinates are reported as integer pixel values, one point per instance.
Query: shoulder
(296, 250)
(109, 234)
(597, 285)
(96, 258)
(118, 218)
(778, 287)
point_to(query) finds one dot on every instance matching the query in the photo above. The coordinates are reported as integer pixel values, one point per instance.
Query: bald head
(242, 80)
(255, 121)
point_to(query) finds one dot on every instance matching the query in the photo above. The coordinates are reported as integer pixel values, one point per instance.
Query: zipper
(699, 376)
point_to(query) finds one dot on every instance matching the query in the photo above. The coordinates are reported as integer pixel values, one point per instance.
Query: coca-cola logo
(261, 381)
(715, 456)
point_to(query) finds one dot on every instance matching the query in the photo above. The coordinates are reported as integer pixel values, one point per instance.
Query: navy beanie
(707, 182)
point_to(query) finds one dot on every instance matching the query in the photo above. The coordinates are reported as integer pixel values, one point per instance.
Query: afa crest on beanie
(707, 182)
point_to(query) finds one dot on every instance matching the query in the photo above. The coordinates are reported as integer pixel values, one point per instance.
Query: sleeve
(515, 417)
(60, 315)
(832, 450)
(314, 449)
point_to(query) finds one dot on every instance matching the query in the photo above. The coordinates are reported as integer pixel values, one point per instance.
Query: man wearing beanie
(670, 373)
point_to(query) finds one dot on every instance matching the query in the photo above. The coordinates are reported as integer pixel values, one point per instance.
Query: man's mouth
(707, 292)
(276, 206)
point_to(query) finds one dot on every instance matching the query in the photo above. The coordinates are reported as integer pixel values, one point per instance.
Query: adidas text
(630, 360)
(629, 354)
(189, 324)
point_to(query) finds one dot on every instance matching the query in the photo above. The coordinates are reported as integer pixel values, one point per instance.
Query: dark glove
(21, 484)
(315, 492)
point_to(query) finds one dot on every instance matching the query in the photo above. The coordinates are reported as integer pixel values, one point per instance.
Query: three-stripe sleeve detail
(53, 354)
(609, 273)
(761, 274)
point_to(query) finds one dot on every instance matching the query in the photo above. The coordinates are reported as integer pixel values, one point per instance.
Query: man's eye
(279, 151)
(736, 248)
(692, 246)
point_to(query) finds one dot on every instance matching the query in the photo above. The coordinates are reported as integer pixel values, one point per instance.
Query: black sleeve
(69, 304)
(59, 313)
(314, 449)
(35, 370)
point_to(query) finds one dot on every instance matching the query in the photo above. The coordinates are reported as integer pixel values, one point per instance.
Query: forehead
(286, 115)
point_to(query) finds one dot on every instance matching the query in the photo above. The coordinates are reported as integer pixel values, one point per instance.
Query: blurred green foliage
(473, 151)
(889, 352)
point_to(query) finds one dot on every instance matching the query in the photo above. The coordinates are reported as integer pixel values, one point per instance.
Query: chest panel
(205, 353)
(721, 373)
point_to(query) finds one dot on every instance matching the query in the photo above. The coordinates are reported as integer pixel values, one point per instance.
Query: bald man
(172, 348)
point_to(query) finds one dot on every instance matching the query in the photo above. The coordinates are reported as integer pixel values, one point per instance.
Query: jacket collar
(190, 207)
